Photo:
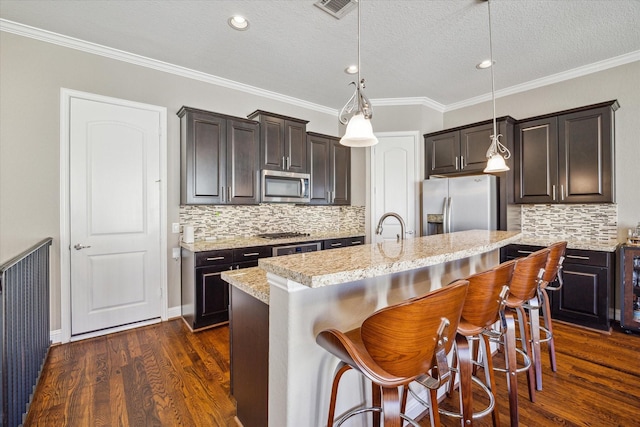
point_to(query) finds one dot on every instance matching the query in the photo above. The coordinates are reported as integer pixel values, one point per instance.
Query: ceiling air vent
(336, 8)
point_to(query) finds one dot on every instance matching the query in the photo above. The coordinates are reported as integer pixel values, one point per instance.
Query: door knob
(78, 246)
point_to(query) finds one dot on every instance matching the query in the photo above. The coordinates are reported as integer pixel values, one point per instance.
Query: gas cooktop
(283, 235)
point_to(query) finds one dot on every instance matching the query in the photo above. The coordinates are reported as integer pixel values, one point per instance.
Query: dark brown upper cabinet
(566, 157)
(463, 149)
(283, 145)
(219, 158)
(329, 164)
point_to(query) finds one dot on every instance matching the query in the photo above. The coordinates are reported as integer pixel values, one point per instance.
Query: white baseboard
(56, 335)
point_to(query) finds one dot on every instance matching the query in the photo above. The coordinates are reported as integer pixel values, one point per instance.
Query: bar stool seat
(396, 345)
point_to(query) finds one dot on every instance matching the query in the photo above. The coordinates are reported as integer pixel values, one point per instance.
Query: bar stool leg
(490, 378)
(546, 313)
(391, 405)
(534, 321)
(531, 375)
(376, 396)
(466, 396)
(340, 370)
(512, 380)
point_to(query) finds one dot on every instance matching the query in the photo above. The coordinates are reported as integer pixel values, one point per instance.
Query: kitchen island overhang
(339, 289)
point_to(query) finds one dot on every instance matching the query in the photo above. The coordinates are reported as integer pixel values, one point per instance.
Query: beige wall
(621, 83)
(31, 75)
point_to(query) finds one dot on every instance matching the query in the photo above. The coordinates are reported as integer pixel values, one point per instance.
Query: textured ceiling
(409, 48)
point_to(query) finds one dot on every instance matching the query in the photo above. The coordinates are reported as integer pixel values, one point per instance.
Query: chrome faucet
(396, 216)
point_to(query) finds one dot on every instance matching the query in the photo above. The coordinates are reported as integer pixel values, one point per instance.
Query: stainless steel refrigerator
(459, 203)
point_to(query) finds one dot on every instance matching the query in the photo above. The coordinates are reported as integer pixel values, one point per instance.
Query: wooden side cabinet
(283, 145)
(566, 157)
(219, 158)
(330, 169)
(629, 286)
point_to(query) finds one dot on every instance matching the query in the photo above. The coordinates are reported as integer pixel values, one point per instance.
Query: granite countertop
(245, 242)
(251, 280)
(587, 245)
(325, 268)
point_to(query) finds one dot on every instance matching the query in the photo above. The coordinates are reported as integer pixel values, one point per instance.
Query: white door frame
(419, 168)
(65, 240)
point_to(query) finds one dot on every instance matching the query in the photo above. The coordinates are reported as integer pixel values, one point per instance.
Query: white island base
(300, 371)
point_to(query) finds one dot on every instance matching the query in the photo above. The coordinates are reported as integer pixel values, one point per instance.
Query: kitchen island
(339, 289)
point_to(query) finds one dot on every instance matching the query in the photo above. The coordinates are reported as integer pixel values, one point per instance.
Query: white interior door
(395, 181)
(114, 227)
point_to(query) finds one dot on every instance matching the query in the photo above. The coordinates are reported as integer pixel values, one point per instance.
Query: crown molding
(96, 49)
(419, 100)
(120, 55)
(549, 80)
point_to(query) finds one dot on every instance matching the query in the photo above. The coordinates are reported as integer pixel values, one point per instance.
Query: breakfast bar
(313, 291)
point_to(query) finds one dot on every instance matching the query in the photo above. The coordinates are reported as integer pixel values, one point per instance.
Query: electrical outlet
(176, 253)
(175, 228)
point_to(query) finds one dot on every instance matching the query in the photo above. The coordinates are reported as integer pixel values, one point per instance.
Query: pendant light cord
(493, 83)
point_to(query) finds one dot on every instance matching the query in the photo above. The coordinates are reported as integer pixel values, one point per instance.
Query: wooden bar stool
(482, 306)
(397, 345)
(523, 289)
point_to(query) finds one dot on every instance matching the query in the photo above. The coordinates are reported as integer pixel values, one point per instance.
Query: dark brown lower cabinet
(249, 331)
(588, 277)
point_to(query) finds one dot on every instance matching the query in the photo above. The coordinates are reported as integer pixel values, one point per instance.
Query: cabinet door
(212, 296)
(319, 169)
(442, 153)
(243, 146)
(629, 286)
(584, 297)
(474, 143)
(272, 148)
(536, 161)
(586, 156)
(340, 173)
(203, 169)
(295, 146)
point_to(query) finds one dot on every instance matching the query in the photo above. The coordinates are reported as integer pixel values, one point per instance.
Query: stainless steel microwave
(285, 187)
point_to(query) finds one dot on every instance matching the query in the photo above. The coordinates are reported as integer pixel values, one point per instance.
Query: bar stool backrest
(402, 338)
(554, 261)
(524, 282)
(482, 304)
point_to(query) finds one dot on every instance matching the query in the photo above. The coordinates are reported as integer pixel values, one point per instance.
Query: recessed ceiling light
(239, 23)
(351, 69)
(485, 64)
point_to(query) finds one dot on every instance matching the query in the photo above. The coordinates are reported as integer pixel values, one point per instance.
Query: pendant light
(497, 152)
(359, 132)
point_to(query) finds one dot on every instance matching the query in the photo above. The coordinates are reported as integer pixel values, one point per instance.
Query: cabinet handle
(461, 162)
(562, 192)
(524, 252)
(288, 162)
(222, 193)
(229, 194)
(283, 163)
(334, 245)
(356, 242)
(215, 258)
(554, 191)
(251, 254)
(578, 257)
(456, 162)
(209, 275)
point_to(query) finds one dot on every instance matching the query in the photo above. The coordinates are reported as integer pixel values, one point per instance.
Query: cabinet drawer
(334, 244)
(251, 253)
(577, 256)
(517, 251)
(209, 258)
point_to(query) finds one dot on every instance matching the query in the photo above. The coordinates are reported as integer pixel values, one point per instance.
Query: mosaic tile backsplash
(594, 222)
(239, 221)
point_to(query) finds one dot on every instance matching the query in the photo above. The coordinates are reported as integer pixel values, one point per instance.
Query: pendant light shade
(359, 132)
(495, 164)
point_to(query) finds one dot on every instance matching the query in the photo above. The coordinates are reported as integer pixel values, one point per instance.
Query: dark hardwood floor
(164, 375)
